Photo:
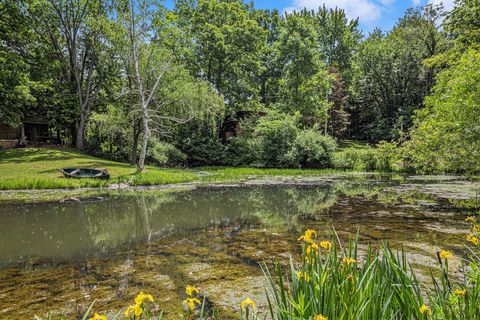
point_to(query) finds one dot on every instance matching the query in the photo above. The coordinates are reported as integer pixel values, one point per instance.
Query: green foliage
(446, 136)
(305, 84)
(350, 158)
(386, 156)
(314, 149)
(333, 283)
(224, 45)
(390, 79)
(164, 154)
(241, 151)
(275, 139)
(16, 84)
(203, 149)
(354, 156)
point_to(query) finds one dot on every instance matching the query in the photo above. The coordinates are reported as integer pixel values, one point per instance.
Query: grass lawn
(38, 168)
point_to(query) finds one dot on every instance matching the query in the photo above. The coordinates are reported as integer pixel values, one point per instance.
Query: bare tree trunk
(80, 132)
(136, 135)
(145, 137)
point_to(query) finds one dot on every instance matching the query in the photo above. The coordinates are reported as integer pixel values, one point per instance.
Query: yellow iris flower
(424, 309)
(191, 302)
(141, 297)
(247, 302)
(190, 290)
(307, 236)
(135, 310)
(348, 261)
(459, 292)
(444, 254)
(303, 275)
(98, 317)
(327, 245)
(473, 239)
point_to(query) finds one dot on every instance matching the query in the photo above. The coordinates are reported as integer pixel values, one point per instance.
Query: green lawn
(38, 168)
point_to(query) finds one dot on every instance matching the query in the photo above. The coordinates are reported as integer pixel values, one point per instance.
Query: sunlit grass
(38, 168)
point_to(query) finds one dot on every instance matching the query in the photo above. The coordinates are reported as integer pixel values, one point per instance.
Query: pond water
(59, 257)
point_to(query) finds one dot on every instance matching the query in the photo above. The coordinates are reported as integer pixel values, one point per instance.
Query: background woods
(212, 82)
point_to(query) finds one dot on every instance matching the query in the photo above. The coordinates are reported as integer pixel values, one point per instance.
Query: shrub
(203, 149)
(275, 138)
(314, 149)
(356, 157)
(241, 151)
(349, 159)
(165, 154)
(386, 156)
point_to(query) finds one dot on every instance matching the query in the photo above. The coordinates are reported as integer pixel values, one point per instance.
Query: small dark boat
(85, 173)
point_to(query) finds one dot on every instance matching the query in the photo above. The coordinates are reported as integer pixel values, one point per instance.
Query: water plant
(336, 281)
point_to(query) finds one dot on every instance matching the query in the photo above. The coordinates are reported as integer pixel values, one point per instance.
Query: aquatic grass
(228, 174)
(332, 283)
(159, 177)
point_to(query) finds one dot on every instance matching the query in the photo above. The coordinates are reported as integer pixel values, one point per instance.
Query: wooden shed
(32, 130)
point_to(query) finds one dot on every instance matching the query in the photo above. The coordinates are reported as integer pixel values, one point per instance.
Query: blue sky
(372, 13)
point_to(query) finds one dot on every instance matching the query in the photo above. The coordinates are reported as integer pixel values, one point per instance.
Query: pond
(61, 256)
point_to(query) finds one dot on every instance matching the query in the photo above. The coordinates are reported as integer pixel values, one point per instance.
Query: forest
(219, 82)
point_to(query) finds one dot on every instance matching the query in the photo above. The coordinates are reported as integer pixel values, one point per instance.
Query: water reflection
(61, 256)
(65, 230)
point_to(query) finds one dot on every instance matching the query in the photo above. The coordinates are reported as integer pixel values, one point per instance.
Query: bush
(241, 151)
(314, 149)
(203, 149)
(349, 159)
(386, 156)
(275, 138)
(165, 154)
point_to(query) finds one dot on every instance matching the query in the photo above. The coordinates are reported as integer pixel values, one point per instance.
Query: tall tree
(161, 90)
(391, 79)
(73, 31)
(225, 42)
(305, 82)
(15, 81)
(338, 39)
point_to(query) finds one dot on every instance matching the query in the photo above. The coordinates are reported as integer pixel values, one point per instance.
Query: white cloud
(366, 10)
(447, 4)
(416, 2)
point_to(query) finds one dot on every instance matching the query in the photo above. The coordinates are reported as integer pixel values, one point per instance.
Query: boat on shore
(79, 173)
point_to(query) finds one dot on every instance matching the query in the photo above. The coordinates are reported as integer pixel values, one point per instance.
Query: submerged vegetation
(335, 281)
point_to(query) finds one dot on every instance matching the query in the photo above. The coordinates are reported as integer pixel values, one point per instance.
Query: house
(231, 127)
(31, 131)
